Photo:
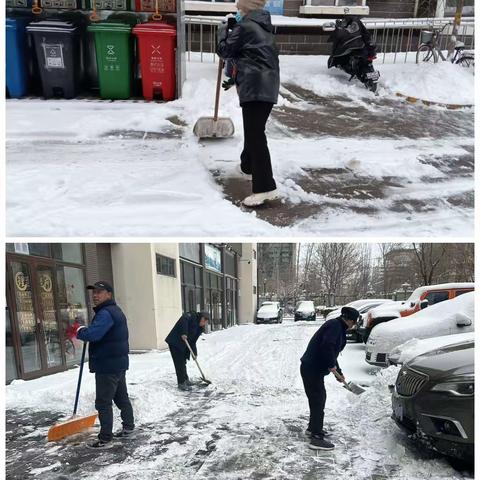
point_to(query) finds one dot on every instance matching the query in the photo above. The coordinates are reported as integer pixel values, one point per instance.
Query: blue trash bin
(16, 56)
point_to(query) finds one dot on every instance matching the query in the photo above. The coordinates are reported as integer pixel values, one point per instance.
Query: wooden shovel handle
(217, 93)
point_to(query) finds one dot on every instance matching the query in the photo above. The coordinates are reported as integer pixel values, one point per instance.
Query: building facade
(153, 284)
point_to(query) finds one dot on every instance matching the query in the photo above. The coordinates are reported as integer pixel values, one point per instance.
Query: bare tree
(428, 256)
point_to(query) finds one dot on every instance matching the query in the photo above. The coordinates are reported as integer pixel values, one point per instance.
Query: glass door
(34, 312)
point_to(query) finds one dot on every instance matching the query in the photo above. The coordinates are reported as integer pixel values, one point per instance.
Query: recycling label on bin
(18, 3)
(165, 6)
(111, 63)
(157, 64)
(53, 55)
(70, 4)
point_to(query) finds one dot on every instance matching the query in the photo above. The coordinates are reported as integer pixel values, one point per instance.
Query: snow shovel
(350, 386)
(75, 424)
(214, 127)
(208, 382)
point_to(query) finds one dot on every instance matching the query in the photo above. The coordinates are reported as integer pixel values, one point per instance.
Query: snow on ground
(410, 166)
(248, 424)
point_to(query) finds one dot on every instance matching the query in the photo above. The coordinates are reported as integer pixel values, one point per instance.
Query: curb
(428, 103)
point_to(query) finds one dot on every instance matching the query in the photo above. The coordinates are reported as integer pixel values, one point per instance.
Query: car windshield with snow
(448, 318)
(305, 310)
(269, 312)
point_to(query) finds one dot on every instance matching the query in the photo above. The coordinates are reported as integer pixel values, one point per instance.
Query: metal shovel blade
(208, 127)
(354, 388)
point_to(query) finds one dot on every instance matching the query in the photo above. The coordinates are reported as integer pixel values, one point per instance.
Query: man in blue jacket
(108, 359)
(317, 362)
(188, 327)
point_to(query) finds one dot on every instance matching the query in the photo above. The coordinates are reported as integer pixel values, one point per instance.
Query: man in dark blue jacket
(189, 327)
(318, 361)
(108, 359)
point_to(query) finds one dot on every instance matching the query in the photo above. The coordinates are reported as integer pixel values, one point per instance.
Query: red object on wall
(157, 46)
(165, 6)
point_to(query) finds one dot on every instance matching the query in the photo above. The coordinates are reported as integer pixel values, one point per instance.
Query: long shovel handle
(195, 358)
(80, 373)
(217, 93)
(341, 378)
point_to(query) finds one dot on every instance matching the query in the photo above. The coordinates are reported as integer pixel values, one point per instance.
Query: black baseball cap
(101, 285)
(350, 313)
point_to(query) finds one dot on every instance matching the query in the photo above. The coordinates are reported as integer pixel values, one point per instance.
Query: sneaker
(99, 444)
(184, 386)
(124, 432)
(319, 443)
(257, 199)
(323, 433)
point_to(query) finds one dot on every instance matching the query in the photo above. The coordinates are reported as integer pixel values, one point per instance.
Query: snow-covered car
(269, 312)
(363, 306)
(415, 347)
(434, 398)
(421, 297)
(448, 318)
(305, 310)
(358, 304)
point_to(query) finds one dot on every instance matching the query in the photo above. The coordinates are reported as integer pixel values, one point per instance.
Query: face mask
(238, 17)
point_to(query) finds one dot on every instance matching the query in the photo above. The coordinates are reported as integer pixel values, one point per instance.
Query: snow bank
(414, 347)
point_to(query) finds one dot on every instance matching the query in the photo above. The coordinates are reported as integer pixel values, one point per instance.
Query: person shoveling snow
(248, 41)
(317, 362)
(182, 340)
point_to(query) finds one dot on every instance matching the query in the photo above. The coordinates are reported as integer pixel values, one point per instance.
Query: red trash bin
(157, 46)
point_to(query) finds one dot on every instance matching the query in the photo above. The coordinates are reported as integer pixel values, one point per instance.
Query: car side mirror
(328, 27)
(463, 321)
(423, 304)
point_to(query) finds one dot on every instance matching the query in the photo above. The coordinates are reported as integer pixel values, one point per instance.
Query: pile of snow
(414, 347)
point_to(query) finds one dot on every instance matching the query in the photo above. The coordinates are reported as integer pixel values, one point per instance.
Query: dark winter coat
(323, 349)
(251, 45)
(188, 324)
(349, 35)
(108, 337)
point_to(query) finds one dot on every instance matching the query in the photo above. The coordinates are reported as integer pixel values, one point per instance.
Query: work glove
(75, 328)
(226, 84)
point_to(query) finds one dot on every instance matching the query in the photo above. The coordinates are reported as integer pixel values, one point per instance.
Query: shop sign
(213, 258)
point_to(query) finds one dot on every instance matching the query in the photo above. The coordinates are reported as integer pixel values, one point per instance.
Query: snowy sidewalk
(341, 157)
(248, 425)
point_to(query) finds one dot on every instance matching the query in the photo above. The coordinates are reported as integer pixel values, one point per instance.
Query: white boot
(257, 199)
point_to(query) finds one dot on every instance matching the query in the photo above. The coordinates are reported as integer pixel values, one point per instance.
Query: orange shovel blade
(71, 427)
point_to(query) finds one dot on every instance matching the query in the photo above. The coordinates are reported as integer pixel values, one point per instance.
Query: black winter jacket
(108, 336)
(188, 324)
(323, 349)
(251, 46)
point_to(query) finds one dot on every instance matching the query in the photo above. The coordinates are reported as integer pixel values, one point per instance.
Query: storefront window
(72, 308)
(192, 287)
(213, 258)
(68, 252)
(26, 321)
(39, 249)
(190, 251)
(11, 369)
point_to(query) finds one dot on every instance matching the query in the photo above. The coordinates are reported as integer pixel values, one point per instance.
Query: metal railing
(397, 40)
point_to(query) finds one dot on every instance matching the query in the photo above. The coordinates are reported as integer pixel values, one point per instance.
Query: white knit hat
(246, 6)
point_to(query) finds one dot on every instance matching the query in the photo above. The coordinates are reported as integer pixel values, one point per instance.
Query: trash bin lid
(53, 25)
(110, 27)
(163, 29)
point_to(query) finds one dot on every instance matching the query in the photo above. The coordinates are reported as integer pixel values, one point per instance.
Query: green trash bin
(114, 49)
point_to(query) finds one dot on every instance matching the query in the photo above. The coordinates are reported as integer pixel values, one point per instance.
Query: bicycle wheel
(426, 53)
(466, 61)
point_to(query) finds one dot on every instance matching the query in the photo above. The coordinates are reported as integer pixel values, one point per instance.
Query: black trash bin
(59, 47)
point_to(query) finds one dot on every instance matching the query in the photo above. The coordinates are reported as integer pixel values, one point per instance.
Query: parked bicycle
(429, 49)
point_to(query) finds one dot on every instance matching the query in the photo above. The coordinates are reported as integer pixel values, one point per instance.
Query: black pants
(314, 384)
(179, 358)
(255, 158)
(112, 387)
